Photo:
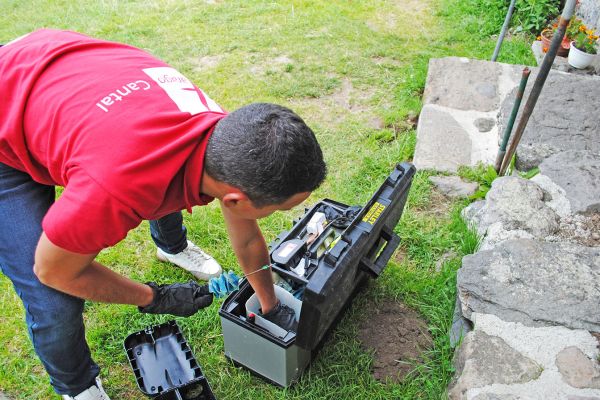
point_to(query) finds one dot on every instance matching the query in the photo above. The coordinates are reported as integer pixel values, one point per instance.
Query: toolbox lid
(364, 249)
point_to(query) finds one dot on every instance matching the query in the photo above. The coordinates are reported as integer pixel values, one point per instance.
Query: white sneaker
(94, 392)
(193, 260)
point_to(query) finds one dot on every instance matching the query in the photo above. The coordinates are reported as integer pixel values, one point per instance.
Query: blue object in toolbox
(164, 366)
(332, 273)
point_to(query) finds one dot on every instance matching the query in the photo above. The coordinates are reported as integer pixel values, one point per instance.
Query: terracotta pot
(578, 58)
(563, 50)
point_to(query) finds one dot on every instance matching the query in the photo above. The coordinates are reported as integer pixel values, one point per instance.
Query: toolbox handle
(392, 243)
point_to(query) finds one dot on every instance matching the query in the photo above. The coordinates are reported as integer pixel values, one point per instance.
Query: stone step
(467, 104)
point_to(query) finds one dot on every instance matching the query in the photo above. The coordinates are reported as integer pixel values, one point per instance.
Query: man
(129, 138)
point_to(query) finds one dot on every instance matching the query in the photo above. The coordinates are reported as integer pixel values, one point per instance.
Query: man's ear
(232, 199)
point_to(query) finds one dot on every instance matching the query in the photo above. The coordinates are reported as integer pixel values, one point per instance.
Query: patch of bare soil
(387, 61)
(439, 264)
(400, 255)
(345, 100)
(277, 64)
(207, 62)
(397, 336)
(398, 14)
(412, 119)
(438, 205)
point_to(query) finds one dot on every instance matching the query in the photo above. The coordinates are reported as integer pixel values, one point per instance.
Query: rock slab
(513, 208)
(577, 369)
(535, 283)
(565, 118)
(442, 144)
(454, 186)
(577, 173)
(460, 325)
(484, 124)
(483, 360)
(458, 123)
(463, 84)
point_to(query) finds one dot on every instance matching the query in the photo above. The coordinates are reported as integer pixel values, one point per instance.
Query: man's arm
(251, 250)
(80, 276)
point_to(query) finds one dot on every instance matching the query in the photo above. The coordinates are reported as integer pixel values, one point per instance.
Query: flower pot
(579, 59)
(563, 50)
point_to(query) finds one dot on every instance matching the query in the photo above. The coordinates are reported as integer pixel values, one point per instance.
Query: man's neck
(213, 188)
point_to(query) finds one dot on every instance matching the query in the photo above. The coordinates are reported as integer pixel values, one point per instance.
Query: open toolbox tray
(333, 273)
(164, 366)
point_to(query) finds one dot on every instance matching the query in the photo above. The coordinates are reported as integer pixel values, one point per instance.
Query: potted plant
(546, 38)
(583, 47)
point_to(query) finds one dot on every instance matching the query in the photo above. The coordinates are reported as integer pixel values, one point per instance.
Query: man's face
(247, 210)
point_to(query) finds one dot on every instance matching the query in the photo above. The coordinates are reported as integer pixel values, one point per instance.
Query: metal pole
(539, 82)
(504, 29)
(511, 120)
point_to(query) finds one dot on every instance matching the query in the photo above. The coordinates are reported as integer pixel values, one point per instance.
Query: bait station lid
(164, 366)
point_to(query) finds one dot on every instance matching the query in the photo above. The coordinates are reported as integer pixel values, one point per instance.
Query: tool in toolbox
(164, 366)
(317, 274)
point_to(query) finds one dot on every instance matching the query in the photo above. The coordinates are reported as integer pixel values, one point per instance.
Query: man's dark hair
(267, 152)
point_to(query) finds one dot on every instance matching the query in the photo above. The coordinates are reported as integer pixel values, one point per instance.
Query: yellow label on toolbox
(373, 213)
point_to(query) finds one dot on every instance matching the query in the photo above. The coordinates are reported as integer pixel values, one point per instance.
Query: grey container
(332, 278)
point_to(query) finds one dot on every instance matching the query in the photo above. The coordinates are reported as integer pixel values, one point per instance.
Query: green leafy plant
(570, 32)
(482, 174)
(485, 183)
(511, 166)
(485, 176)
(585, 39)
(547, 35)
(529, 174)
(532, 15)
(573, 28)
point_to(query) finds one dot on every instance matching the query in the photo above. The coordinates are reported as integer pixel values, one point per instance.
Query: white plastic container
(579, 59)
(286, 298)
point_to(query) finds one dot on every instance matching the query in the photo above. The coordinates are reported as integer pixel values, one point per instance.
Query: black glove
(283, 316)
(179, 299)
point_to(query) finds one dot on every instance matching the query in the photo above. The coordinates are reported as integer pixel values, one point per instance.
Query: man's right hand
(179, 299)
(282, 316)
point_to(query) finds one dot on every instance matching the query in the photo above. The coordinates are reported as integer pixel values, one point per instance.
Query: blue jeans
(169, 233)
(54, 319)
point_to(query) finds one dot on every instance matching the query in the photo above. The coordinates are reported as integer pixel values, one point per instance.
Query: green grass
(378, 48)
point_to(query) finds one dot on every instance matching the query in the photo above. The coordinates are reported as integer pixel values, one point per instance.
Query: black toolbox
(321, 278)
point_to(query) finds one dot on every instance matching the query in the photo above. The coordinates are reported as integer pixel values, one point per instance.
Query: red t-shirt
(123, 132)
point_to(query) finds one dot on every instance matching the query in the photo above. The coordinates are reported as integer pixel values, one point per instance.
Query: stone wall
(528, 298)
(589, 11)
